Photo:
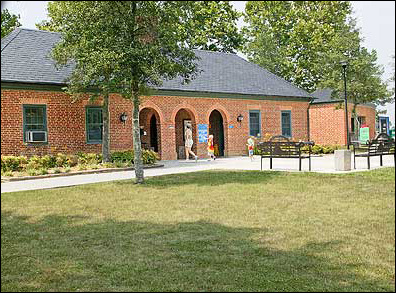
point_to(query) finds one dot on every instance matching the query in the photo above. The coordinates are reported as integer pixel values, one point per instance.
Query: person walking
(211, 148)
(189, 143)
(250, 144)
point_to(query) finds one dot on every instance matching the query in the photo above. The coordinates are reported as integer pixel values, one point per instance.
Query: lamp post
(344, 65)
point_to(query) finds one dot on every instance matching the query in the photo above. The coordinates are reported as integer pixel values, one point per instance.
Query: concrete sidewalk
(322, 164)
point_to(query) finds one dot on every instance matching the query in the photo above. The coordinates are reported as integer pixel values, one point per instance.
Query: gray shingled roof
(324, 96)
(25, 58)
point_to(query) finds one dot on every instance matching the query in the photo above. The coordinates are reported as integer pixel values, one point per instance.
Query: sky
(375, 18)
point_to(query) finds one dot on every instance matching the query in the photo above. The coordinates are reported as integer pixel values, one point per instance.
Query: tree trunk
(106, 129)
(138, 162)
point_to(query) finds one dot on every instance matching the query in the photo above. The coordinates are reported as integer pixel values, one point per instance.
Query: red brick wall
(66, 121)
(327, 122)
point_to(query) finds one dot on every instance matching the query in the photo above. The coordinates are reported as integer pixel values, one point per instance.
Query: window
(286, 123)
(94, 121)
(34, 119)
(361, 121)
(254, 123)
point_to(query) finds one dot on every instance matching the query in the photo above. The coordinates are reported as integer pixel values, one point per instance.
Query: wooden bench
(281, 147)
(380, 146)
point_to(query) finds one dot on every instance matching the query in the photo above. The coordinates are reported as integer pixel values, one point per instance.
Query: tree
(212, 25)
(130, 47)
(304, 42)
(9, 22)
(291, 38)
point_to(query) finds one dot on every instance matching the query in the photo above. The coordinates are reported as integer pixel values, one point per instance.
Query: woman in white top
(189, 143)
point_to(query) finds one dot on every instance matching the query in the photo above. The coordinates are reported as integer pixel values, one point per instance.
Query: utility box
(342, 160)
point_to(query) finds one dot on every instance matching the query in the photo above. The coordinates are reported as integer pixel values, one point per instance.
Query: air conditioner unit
(36, 136)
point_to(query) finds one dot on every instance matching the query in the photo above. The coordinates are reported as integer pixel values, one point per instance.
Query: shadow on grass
(65, 254)
(209, 178)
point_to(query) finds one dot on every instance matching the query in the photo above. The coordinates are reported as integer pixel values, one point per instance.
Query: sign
(364, 134)
(202, 133)
(231, 126)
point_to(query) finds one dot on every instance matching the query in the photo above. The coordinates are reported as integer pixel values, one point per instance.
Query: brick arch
(188, 108)
(146, 112)
(226, 119)
(182, 112)
(222, 110)
(153, 106)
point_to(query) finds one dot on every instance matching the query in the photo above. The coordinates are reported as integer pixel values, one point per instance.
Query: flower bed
(19, 166)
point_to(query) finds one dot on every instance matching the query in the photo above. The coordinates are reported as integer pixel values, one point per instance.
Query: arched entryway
(153, 133)
(182, 118)
(216, 128)
(150, 133)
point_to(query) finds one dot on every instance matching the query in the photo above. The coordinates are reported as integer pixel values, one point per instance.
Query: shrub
(328, 150)
(122, 156)
(35, 162)
(43, 171)
(67, 169)
(82, 167)
(148, 156)
(89, 158)
(57, 171)
(13, 163)
(119, 164)
(32, 172)
(71, 160)
(317, 149)
(305, 149)
(48, 161)
(108, 165)
(61, 160)
(8, 174)
(93, 166)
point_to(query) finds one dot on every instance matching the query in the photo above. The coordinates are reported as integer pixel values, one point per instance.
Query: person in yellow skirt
(211, 148)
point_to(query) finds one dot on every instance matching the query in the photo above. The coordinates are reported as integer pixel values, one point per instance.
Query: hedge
(22, 163)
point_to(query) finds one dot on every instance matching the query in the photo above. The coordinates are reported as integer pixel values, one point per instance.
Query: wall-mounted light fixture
(240, 118)
(123, 117)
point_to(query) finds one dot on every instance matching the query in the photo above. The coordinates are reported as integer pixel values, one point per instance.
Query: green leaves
(9, 22)
(126, 47)
(304, 42)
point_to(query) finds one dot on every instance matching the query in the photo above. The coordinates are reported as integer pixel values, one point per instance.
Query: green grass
(204, 231)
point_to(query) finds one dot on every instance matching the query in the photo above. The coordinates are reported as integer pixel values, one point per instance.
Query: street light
(344, 65)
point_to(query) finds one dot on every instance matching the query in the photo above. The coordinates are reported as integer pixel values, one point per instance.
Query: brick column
(168, 141)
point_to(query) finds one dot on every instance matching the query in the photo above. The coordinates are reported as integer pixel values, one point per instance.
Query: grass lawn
(204, 231)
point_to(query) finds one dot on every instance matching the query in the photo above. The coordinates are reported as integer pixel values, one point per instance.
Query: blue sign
(231, 126)
(202, 133)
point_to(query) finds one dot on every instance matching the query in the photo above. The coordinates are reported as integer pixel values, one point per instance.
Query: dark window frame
(282, 125)
(25, 107)
(87, 125)
(259, 122)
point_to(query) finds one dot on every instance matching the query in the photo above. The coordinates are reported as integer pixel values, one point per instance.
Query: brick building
(327, 119)
(230, 98)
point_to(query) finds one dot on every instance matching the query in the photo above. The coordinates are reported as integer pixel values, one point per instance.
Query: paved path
(324, 164)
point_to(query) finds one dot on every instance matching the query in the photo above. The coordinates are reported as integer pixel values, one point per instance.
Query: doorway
(153, 133)
(216, 128)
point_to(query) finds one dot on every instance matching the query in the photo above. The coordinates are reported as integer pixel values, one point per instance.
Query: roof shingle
(25, 58)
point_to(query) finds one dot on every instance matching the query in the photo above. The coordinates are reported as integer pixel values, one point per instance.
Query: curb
(108, 170)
